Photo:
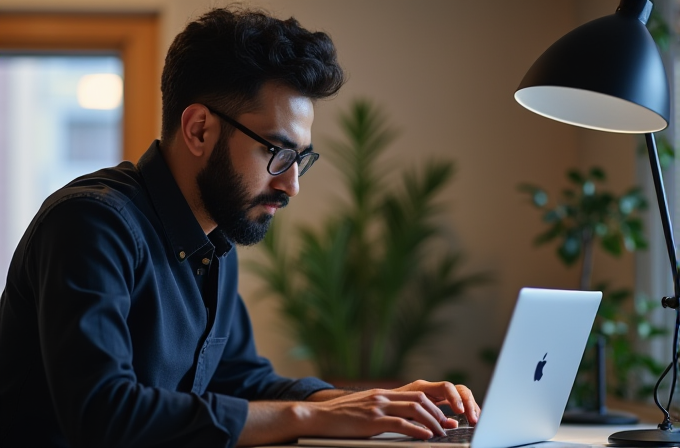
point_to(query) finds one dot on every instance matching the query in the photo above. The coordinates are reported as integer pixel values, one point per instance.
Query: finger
(474, 418)
(450, 423)
(402, 426)
(442, 390)
(478, 413)
(453, 397)
(459, 397)
(414, 411)
(472, 409)
(422, 399)
(436, 392)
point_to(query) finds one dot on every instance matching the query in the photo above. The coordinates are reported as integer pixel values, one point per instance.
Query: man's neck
(184, 168)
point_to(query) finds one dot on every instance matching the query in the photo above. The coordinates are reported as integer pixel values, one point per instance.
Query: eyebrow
(287, 143)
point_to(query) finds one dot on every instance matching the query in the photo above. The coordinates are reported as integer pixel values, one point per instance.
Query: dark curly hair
(228, 54)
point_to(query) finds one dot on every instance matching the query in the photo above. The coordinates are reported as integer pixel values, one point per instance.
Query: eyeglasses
(282, 158)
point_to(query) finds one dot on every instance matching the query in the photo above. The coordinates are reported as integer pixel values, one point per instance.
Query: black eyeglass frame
(274, 149)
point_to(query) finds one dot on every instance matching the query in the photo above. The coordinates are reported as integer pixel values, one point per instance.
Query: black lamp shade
(605, 75)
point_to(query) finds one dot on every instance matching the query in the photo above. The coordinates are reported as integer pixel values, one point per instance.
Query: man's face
(238, 193)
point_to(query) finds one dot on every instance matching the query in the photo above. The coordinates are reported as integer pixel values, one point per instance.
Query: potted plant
(361, 292)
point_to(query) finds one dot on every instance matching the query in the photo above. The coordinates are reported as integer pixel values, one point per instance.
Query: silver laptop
(533, 377)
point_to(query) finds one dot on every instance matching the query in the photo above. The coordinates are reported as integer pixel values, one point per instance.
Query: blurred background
(443, 73)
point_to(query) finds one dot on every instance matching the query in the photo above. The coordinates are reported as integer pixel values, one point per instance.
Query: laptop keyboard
(458, 435)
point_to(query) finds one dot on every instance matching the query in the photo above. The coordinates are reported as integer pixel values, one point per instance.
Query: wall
(445, 72)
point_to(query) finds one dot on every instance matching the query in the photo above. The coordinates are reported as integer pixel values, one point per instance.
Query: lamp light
(608, 75)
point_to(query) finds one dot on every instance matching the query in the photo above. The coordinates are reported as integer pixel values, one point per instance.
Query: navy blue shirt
(121, 322)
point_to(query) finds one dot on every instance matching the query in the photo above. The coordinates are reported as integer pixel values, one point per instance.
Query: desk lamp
(608, 75)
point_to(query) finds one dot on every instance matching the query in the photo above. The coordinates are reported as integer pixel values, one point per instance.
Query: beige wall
(446, 71)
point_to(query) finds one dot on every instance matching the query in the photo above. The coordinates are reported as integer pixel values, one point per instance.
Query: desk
(593, 435)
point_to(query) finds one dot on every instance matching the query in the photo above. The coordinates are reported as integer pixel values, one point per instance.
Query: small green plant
(362, 291)
(584, 216)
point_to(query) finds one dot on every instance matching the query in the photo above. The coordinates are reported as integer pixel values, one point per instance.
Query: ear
(200, 129)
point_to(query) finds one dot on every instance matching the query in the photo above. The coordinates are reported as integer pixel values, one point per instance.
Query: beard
(225, 198)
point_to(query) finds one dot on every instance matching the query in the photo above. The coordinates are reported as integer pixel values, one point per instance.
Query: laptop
(532, 379)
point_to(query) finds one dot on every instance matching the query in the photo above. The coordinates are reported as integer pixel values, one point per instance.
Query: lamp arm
(672, 302)
(665, 216)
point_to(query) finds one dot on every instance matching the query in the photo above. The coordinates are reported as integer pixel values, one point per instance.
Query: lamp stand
(664, 435)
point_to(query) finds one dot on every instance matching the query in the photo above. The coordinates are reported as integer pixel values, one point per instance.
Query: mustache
(280, 199)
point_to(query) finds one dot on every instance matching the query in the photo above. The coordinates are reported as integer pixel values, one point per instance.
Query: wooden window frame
(134, 37)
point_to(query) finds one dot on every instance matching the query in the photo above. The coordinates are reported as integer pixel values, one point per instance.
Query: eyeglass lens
(306, 163)
(284, 158)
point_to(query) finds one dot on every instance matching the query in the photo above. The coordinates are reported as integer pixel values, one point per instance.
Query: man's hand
(411, 410)
(459, 397)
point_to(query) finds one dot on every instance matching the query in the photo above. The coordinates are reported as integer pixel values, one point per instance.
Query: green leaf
(597, 173)
(555, 231)
(576, 177)
(555, 215)
(612, 244)
(570, 249)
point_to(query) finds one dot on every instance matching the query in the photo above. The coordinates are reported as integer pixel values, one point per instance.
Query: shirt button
(206, 261)
(182, 255)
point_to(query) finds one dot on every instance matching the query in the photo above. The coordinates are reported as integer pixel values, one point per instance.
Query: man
(121, 322)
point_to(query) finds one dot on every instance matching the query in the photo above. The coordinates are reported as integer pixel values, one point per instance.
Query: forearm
(284, 421)
(275, 422)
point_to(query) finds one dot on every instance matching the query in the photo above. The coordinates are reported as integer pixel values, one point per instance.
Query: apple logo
(538, 374)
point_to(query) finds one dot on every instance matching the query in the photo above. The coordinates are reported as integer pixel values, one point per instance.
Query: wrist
(303, 417)
(278, 422)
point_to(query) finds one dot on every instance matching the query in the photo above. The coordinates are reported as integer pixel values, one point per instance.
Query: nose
(287, 181)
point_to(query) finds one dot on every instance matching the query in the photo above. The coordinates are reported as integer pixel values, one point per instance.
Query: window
(51, 129)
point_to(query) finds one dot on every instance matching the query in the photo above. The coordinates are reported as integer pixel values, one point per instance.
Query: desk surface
(594, 436)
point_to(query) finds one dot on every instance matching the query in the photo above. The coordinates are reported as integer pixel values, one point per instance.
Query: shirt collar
(181, 227)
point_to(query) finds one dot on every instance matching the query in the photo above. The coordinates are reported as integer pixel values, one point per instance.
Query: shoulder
(115, 186)
(92, 206)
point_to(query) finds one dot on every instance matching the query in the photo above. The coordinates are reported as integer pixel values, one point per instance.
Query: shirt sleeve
(81, 262)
